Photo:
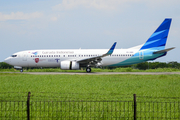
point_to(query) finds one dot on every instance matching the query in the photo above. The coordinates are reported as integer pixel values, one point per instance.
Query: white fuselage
(52, 58)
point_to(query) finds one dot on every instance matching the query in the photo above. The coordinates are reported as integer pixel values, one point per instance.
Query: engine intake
(69, 65)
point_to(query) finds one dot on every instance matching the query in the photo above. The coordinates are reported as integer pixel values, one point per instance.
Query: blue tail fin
(159, 37)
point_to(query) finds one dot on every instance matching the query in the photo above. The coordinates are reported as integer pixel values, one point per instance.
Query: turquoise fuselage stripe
(137, 58)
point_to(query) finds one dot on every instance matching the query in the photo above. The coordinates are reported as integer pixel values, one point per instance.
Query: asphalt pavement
(97, 73)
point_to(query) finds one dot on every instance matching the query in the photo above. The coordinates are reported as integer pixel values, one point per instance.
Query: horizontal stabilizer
(163, 51)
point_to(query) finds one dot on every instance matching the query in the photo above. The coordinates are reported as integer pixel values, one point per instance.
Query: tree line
(141, 66)
(155, 65)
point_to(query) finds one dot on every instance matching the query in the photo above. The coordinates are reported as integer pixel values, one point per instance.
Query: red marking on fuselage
(36, 60)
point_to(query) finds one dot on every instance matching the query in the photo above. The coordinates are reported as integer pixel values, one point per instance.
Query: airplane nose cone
(7, 60)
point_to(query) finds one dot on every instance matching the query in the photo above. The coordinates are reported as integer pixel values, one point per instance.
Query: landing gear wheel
(88, 70)
(21, 70)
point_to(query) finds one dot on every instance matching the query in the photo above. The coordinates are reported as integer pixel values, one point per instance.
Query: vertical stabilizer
(158, 39)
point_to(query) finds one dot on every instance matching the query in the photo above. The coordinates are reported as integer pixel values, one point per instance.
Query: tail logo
(159, 37)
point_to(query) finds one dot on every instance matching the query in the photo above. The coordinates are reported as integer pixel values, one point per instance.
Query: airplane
(74, 59)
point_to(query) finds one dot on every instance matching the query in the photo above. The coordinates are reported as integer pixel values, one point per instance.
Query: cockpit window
(13, 55)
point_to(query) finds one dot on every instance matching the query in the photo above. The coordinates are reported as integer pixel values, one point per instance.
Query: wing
(92, 61)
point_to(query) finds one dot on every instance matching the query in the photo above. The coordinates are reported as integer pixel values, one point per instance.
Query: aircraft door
(141, 55)
(24, 57)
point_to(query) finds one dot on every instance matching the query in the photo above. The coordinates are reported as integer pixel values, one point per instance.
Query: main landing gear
(21, 70)
(88, 69)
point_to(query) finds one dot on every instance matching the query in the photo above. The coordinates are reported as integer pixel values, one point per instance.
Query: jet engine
(69, 65)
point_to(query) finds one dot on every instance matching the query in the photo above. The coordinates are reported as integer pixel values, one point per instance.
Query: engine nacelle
(17, 67)
(69, 65)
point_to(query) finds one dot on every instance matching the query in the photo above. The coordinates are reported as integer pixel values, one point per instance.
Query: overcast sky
(85, 24)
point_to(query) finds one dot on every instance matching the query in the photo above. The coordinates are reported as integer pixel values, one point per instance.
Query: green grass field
(142, 85)
(72, 96)
(128, 69)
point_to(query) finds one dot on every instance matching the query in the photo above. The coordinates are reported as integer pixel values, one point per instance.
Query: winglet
(110, 50)
(97, 59)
